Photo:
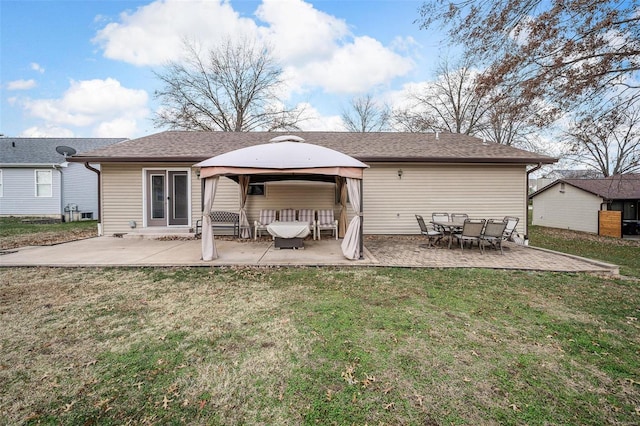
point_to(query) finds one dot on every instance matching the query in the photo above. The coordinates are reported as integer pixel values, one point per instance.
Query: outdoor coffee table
(288, 234)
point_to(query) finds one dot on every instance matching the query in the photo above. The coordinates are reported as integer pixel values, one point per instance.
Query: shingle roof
(43, 150)
(181, 146)
(617, 187)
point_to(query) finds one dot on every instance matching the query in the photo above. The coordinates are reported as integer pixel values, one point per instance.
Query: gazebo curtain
(209, 251)
(342, 219)
(351, 241)
(243, 181)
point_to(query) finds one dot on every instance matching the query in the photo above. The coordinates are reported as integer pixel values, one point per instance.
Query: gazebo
(285, 158)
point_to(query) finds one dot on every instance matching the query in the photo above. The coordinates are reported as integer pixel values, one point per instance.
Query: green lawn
(625, 253)
(10, 226)
(317, 346)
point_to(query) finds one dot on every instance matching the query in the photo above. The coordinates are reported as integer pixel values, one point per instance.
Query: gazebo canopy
(285, 155)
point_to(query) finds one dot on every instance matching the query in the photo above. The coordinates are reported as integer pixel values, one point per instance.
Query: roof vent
(437, 136)
(287, 138)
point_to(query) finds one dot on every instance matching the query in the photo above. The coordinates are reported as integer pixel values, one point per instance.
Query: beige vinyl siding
(572, 209)
(122, 195)
(391, 202)
(279, 195)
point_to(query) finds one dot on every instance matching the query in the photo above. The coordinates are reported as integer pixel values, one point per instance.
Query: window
(256, 189)
(44, 183)
(86, 215)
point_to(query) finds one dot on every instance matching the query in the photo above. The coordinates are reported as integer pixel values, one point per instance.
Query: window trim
(35, 175)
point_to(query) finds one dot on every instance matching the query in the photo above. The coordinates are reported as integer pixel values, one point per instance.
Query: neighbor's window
(44, 183)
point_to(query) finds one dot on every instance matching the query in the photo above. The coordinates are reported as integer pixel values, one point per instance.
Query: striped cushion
(287, 215)
(325, 217)
(267, 216)
(306, 216)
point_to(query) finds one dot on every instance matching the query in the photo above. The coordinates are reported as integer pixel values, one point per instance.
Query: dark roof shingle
(193, 146)
(617, 187)
(43, 150)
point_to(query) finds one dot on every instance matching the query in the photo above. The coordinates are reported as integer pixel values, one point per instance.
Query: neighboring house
(554, 175)
(410, 173)
(36, 179)
(574, 203)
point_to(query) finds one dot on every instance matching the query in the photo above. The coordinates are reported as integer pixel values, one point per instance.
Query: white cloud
(355, 67)
(313, 120)
(36, 67)
(21, 84)
(299, 32)
(117, 127)
(154, 34)
(47, 132)
(103, 105)
(317, 50)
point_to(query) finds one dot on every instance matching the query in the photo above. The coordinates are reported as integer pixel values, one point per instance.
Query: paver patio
(400, 251)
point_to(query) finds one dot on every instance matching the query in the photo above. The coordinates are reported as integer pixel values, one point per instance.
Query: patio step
(158, 232)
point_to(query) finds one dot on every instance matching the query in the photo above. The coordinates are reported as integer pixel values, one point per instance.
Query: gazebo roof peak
(286, 138)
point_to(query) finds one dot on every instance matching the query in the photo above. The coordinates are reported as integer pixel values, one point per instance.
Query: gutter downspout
(526, 191)
(97, 172)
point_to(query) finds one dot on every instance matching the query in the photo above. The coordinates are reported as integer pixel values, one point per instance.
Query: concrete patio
(398, 251)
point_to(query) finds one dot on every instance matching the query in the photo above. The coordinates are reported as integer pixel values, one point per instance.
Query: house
(36, 178)
(575, 203)
(553, 175)
(151, 182)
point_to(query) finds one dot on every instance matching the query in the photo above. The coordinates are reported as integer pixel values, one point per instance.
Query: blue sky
(85, 68)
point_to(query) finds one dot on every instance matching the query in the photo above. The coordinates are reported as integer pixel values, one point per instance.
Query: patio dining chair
(266, 218)
(309, 217)
(440, 217)
(287, 215)
(493, 234)
(459, 217)
(326, 221)
(432, 233)
(512, 222)
(471, 232)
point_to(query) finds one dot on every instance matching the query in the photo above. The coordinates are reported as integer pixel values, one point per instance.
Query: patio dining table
(449, 227)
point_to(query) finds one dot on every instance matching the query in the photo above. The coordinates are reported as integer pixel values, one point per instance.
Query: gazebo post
(361, 218)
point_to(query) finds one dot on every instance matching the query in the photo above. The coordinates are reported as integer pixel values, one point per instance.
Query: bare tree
(609, 143)
(563, 51)
(366, 115)
(454, 102)
(232, 88)
(510, 121)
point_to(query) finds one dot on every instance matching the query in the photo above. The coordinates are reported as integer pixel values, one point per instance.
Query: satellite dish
(65, 150)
